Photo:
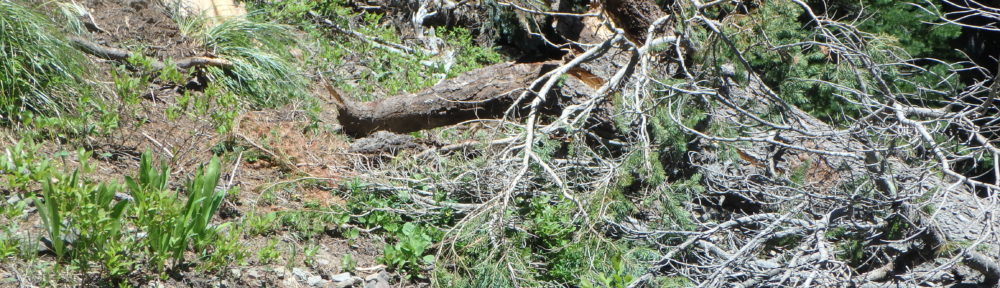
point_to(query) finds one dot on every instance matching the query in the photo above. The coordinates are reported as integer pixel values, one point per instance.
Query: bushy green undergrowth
(112, 229)
(384, 72)
(778, 42)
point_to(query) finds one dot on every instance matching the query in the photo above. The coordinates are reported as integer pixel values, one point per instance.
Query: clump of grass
(260, 69)
(36, 67)
(70, 13)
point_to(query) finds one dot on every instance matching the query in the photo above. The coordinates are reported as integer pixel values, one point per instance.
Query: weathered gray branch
(472, 95)
(111, 53)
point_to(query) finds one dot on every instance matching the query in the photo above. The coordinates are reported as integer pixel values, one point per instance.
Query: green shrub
(171, 227)
(410, 253)
(21, 166)
(83, 221)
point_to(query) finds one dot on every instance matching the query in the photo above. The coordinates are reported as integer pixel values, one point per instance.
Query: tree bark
(483, 93)
(633, 17)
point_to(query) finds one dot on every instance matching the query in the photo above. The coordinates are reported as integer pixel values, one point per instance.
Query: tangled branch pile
(727, 143)
(632, 143)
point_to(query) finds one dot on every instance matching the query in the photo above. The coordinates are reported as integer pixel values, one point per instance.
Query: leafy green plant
(306, 224)
(172, 227)
(8, 247)
(21, 166)
(127, 87)
(347, 263)
(99, 221)
(227, 250)
(549, 224)
(409, 254)
(617, 278)
(202, 203)
(153, 208)
(309, 253)
(269, 252)
(261, 224)
(468, 55)
(84, 216)
(52, 220)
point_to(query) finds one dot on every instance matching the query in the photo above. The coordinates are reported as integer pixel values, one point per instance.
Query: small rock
(281, 271)
(302, 274)
(123, 197)
(315, 281)
(13, 199)
(236, 272)
(349, 282)
(378, 280)
(253, 274)
(342, 277)
(289, 283)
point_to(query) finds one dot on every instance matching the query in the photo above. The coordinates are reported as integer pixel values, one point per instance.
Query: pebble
(342, 277)
(378, 280)
(289, 283)
(302, 274)
(315, 281)
(281, 271)
(236, 272)
(253, 274)
(13, 199)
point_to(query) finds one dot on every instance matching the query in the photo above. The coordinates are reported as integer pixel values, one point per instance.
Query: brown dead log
(110, 53)
(483, 93)
(633, 17)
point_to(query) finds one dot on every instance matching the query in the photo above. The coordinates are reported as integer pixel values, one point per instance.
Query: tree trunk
(483, 93)
(633, 17)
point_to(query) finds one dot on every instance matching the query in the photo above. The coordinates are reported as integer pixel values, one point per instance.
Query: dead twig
(116, 54)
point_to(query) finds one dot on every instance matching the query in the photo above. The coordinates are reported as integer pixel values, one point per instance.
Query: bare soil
(140, 23)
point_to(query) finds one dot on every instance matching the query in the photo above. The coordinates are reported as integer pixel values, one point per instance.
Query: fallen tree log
(633, 16)
(483, 93)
